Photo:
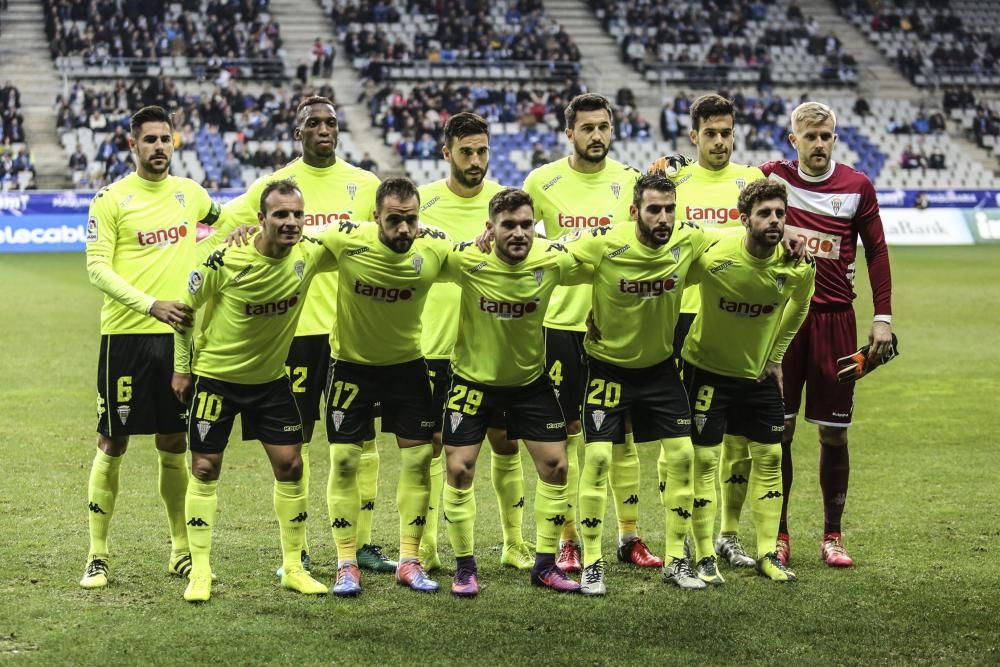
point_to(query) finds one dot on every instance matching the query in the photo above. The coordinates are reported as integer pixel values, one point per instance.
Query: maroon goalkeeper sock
(786, 484)
(834, 471)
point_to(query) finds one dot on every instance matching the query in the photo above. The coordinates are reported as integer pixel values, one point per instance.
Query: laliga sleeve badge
(91, 229)
(195, 281)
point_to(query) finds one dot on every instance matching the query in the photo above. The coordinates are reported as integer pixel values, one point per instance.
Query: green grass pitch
(921, 521)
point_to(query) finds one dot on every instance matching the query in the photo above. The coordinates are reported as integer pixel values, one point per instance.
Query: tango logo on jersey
(648, 289)
(322, 220)
(744, 309)
(274, 308)
(700, 421)
(711, 214)
(163, 237)
(505, 310)
(569, 221)
(819, 244)
(387, 294)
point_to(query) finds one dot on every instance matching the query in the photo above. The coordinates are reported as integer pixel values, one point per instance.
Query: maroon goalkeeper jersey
(829, 213)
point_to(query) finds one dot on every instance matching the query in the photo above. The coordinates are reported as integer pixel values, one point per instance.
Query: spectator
(368, 164)
(78, 161)
(936, 160)
(670, 126)
(861, 107)
(329, 55)
(910, 159)
(539, 156)
(921, 202)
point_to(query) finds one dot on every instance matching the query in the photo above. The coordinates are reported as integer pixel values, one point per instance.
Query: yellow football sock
(593, 498)
(412, 494)
(508, 483)
(199, 506)
(706, 468)
(173, 482)
(765, 494)
(574, 444)
(734, 473)
(291, 507)
(343, 499)
(625, 487)
(676, 462)
(429, 540)
(550, 513)
(368, 489)
(460, 508)
(102, 491)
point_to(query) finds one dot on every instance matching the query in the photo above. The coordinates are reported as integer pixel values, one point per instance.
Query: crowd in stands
(199, 117)
(470, 30)
(102, 31)
(17, 169)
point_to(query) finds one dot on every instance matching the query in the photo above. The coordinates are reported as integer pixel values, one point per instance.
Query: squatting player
(459, 206)
(385, 270)
(829, 206)
(640, 270)
(588, 189)
(498, 382)
(253, 296)
(334, 190)
(753, 301)
(707, 194)
(141, 235)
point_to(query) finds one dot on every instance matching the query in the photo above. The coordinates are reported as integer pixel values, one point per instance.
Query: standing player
(334, 191)
(584, 191)
(141, 235)
(385, 271)
(459, 205)
(753, 302)
(252, 295)
(829, 206)
(497, 379)
(707, 194)
(640, 270)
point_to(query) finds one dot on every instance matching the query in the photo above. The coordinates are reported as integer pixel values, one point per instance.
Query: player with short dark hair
(498, 383)
(753, 302)
(586, 190)
(141, 235)
(830, 205)
(334, 190)
(385, 271)
(459, 206)
(254, 295)
(640, 270)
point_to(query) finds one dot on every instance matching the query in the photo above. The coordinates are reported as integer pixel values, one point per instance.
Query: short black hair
(651, 182)
(586, 102)
(464, 124)
(283, 187)
(760, 190)
(150, 114)
(509, 199)
(311, 100)
(399, 187)
(710, 105)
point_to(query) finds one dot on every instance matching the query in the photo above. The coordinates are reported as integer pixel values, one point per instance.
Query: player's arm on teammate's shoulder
(313, 248)
(869, 226)
(572, 269)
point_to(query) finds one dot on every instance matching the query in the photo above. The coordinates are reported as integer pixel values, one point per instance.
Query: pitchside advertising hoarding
(57, 221)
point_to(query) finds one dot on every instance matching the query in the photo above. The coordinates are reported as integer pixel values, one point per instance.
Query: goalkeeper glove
(855, 366)
(668, 165)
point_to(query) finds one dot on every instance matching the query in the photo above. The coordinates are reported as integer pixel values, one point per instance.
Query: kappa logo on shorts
(598, 417)
(554, 425)
(203, 428)
(455, 418)
(427, 423)
(338, 419)
(123, 413)
(700, 421)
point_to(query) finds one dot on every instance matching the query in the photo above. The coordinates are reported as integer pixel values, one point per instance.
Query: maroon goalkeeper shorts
(811, 363)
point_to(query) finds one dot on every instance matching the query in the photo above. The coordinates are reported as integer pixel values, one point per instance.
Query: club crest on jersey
(338, 419)
(700, 421)
(741, 183)
(598, 417)
(300, 269)
(779, 281)
(123, 413)
(91, 229)
(179, 196)
(352, 190)
(676, 252)
(539, 274)
(616, 190)
(203, 428)
(455, 418)
(195, 281)
(836, 203)
(417, 262)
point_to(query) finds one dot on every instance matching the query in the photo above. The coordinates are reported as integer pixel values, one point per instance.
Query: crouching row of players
(755, 297)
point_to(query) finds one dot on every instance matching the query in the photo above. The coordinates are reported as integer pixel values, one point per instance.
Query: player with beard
(459, 205)
(583, 191)
(334, 190)
(141, 235)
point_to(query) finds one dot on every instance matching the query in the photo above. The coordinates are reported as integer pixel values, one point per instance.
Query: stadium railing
(178, 67)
